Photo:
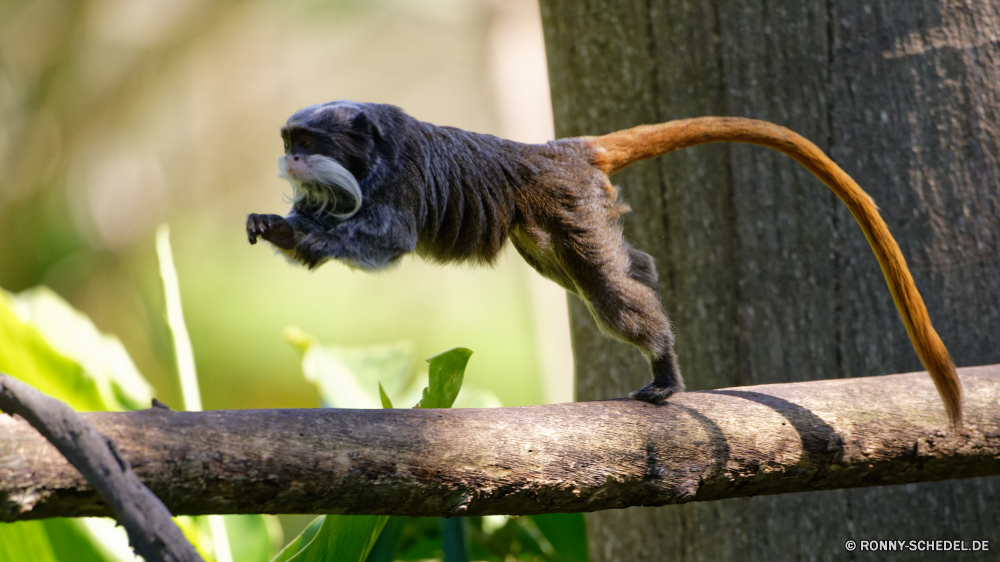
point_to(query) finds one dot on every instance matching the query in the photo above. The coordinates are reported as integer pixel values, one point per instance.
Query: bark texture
(765, 275)
(543, 459)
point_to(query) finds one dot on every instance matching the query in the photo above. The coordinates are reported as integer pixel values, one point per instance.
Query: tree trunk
(765, 274)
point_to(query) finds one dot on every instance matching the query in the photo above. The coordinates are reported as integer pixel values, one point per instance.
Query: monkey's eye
(306, 143)
(288, 146)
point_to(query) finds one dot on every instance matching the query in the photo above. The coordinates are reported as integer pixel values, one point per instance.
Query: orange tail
(616, 150)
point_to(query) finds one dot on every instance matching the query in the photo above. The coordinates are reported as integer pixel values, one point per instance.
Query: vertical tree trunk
(761, 268)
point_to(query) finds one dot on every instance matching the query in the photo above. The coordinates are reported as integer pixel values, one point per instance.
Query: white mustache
(326, 173)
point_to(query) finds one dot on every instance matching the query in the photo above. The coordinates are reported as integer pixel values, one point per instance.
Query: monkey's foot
(655, 394)
(273, 228)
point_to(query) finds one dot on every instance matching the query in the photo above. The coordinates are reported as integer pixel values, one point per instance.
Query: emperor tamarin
(371, 184)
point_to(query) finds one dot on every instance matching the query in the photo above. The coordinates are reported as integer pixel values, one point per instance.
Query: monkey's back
(469, 185)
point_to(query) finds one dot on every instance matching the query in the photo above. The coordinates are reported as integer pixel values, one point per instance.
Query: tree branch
(151, 531)
(584, 456)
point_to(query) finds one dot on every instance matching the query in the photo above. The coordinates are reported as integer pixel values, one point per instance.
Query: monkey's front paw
(273, 228)
(655, 394)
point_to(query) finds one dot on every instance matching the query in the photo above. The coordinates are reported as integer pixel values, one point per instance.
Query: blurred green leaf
(420, 540)
(187, 374)
(471, 397)
(26, 540)
(299, 543)
(567, 534)
(253, 538)
(388, 541)
(89, 539)
(340, 538)
(503, 539)
(86, 540)
(348, 377)
(26, 355)
(515, 538)
(445, 378)
(55, 348)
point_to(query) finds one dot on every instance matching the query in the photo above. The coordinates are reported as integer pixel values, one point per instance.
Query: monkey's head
(328, 152)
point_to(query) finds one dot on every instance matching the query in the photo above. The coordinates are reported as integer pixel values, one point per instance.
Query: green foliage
(81, 540)
(350, 376)
(347, 377)
(558, 537)
(343, 375)
(388, 541)
(445, 378)
(362, 374)
(55, 348)
(27, 540)
(341, 538)
(58, 350)
(48, 344)
(386, 403)
(567, 534)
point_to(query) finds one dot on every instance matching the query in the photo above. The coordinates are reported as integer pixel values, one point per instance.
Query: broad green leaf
(26, 355)
(90, 539)
(251, 538)
(85, 539)
(388, 541)
(348, 377)
(445, 378)
(340, 538)
(25, 540)
(52, 346)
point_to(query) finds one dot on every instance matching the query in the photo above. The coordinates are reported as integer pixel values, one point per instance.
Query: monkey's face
(326, 153)
(338, 130)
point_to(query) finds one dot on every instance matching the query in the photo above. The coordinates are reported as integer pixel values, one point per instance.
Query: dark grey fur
(451, 195)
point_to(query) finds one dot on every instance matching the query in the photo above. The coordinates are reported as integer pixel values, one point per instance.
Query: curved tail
(614, 151)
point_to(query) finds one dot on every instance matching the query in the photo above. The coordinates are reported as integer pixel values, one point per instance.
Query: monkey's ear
(375, 140)
(359, 153)
(364, 132)
(362, 125)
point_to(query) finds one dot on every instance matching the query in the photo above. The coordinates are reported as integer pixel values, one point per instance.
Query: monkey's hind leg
(619, 285)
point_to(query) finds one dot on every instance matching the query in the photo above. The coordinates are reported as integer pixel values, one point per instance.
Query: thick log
(584, 456)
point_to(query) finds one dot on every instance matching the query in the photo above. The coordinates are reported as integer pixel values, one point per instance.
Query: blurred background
(117, 115)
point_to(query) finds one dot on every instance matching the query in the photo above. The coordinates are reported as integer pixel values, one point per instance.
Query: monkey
(371, 184)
